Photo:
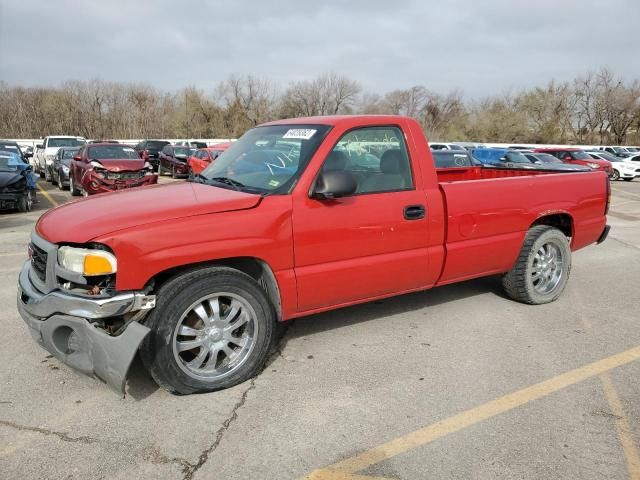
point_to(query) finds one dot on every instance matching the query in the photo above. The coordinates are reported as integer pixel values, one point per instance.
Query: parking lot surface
(455, 383)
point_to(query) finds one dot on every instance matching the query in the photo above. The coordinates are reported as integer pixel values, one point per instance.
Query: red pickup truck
(296, 217)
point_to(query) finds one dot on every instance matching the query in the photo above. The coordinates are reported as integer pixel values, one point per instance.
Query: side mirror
(40, 146)
(335, 184)
(77, 158)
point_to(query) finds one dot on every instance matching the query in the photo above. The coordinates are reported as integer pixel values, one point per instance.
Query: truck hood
(50, 151)
(119, 165)
(86, 219)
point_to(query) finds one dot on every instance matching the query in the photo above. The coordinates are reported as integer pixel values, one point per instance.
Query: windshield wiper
(198, 178)
(228, 181)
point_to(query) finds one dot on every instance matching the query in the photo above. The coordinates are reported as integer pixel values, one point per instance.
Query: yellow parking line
(471, 417)
(47, 196)
(631, 454)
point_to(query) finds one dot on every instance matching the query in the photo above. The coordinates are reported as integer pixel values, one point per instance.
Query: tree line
(594, 108)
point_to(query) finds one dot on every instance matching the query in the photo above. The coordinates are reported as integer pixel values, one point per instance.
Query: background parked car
(105, 167)
(617, 151)
(173, 160)
(59, 173)
(46, 151)
(149, 150)
(191, 144)
(623, 167)
(502, 158)
(452, 159)
(446, 146)
(549, 162)
(577, 156)
(13, 147)
(470, 145)
(17, 186)
(203, 157)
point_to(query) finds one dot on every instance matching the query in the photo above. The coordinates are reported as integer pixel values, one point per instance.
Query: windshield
(156, 145)
(516, 157)
(69, 153)
(633, 149)
(608, 156)
(580, 155)
(114, 151)
(9, 163)
(267, 159)
(10, 147)
(182, 151)
(65, 142)
(547, 158)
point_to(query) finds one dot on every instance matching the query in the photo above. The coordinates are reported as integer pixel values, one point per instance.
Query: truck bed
(489, 211)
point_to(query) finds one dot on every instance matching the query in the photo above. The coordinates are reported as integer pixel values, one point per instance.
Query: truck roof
(339, 119)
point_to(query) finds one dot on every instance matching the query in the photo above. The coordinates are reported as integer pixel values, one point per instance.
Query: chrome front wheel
(212, 328)
(215, 336)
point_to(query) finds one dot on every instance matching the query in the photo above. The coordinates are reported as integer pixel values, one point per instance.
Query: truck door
(371, 243)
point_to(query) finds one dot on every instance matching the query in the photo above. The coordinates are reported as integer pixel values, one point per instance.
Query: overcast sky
(481, 47)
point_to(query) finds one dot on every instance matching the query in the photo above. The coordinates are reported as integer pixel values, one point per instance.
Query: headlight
(149, 169)
(87, 261)
(65, 169)
(593, 165)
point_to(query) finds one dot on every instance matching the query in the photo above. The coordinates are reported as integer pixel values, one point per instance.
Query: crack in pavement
(155, 456)
(190, 471)
(626, 244)
(65, 437)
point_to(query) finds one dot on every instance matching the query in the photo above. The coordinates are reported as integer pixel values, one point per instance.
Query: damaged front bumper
(64, 325)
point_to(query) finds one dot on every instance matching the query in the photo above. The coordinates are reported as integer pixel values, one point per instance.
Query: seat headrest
(391, 161)
(337, 160)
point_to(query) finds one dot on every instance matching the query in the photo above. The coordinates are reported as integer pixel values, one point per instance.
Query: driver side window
(376, 157)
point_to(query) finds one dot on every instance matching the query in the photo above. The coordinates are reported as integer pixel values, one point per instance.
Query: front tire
(615, 175)
(26, 202)
(211, 329)
(542, 269)
(72, 187)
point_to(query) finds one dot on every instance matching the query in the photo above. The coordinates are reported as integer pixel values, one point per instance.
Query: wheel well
(257, 269)
(561, 221)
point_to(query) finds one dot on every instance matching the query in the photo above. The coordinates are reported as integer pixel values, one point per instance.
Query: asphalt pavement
(455, 383)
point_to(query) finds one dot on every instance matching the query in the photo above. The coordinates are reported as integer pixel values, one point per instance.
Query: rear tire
(215, 361)
(542, 269)
(160, 169)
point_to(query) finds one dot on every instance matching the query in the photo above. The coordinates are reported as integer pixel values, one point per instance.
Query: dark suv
(149, 150)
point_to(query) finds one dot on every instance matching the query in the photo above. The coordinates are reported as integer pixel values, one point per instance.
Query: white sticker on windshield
(126, 149)
(301, 133)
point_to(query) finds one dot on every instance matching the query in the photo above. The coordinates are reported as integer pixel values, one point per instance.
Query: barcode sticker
(301, 133)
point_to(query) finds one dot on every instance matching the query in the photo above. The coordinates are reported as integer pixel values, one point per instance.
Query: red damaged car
(106, 167)
(203, 157)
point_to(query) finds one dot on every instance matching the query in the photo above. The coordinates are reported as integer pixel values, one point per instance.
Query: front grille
(39, 261)
(125, 175)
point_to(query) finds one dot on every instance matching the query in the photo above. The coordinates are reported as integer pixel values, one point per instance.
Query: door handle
(414, 212)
